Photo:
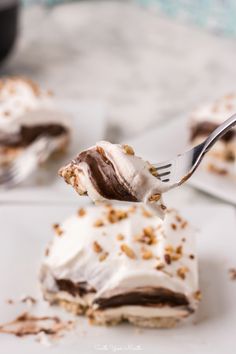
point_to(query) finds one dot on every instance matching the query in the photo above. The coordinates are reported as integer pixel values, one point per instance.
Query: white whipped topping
(216, 112)
(22, 102)
(72, 256)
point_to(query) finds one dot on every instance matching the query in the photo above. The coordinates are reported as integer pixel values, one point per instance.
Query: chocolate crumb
(28, 324)
(191, 256)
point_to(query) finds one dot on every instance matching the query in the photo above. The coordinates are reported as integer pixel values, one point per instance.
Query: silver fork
(27, 162)
(178, 170)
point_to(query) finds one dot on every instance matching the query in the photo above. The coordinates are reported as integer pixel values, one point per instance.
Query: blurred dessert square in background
(28, 112)
(221, 159)
(117, 263)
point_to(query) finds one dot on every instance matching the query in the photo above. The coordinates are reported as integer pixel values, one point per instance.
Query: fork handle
(219, 132)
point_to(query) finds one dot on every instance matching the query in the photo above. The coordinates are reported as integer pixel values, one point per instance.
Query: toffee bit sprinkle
(98, 223)
(232, 273)
(58, 230)
(96, 247)
(147, 255)
(191, 256)
(132, 209)
(81, 212)
(128, 149)
(120, 237)
(167, 258)
(128, 251)
(154, 198)
(174, 227)
(198, 295)
(103, 256)
(181, 272)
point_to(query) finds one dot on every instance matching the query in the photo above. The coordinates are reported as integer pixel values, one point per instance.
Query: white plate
(212, 331)
(166, 141)
(88, 126)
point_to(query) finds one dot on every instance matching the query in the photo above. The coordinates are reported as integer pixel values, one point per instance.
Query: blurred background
(146, 61)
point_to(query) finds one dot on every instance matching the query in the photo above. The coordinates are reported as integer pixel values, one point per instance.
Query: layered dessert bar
(221, 159)
(117, 263)
(113, 172)
(26, 113)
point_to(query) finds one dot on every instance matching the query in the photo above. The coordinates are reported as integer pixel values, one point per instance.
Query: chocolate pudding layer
(28, 134)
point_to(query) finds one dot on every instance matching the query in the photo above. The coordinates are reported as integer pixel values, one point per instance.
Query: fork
(27, 162)
(178, 170)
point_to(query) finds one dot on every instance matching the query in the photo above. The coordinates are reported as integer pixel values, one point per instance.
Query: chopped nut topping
(58, 230)
(154, 198)
(115, 215)
(175, 254)
(98, 223)
(147, 255)
(181, 272)
(178, 218)
(167, 258)
(81, 212)
(96, 247)
(128, 251)
(103, 256)
(153, 171)
(174, 227)
(100, 150)
(197, 295)
(232, 273)
(128, 149)
(146, 213)
(184, 224)
(160, 266)
(148, 236)
(120, 237)
(169, 249)
(179, 249)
